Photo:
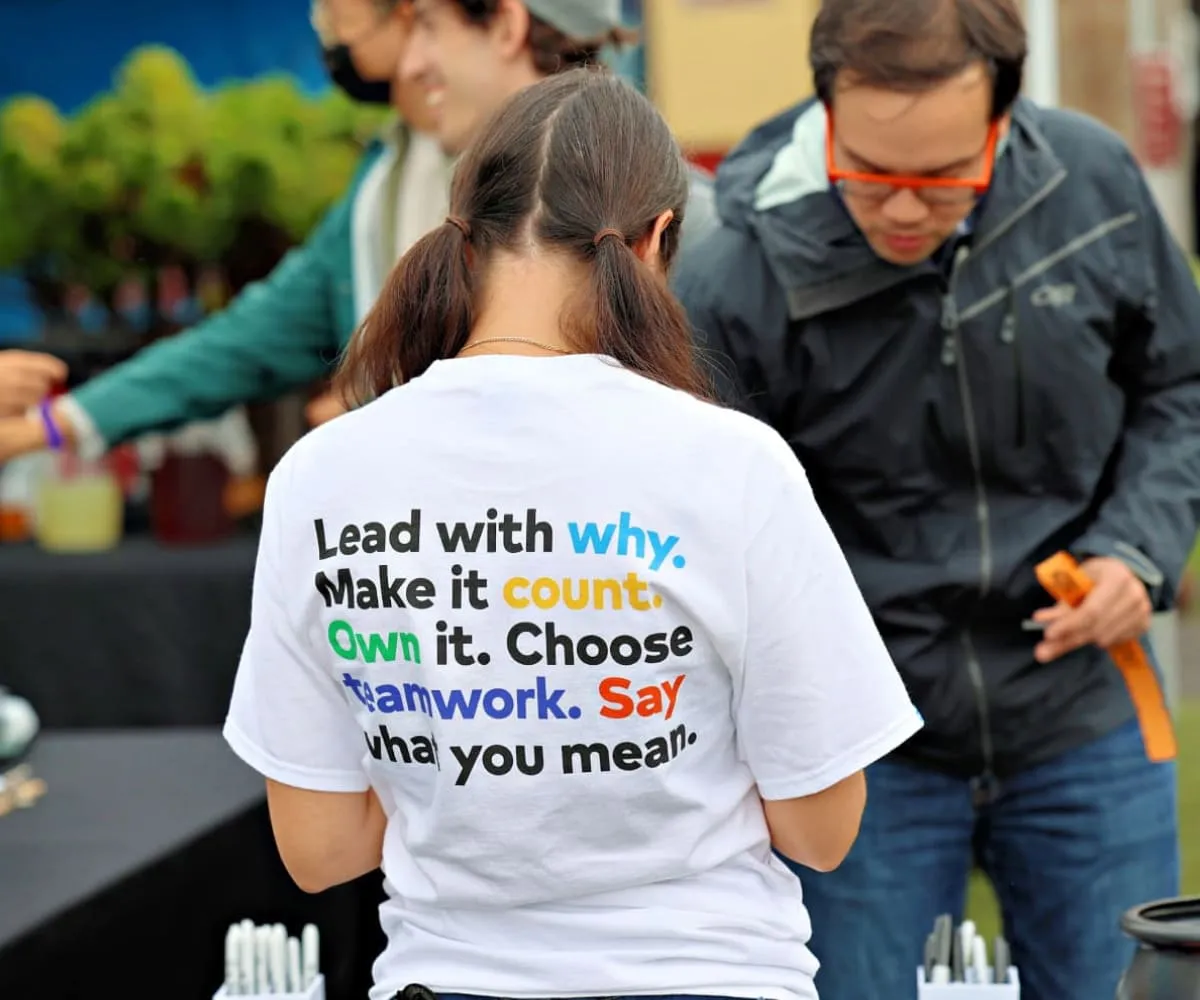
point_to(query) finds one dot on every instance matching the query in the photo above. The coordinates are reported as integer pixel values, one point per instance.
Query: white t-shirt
(568, 624)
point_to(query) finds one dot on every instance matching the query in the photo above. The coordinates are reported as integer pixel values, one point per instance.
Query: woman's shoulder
(337, 443)
(743, 433)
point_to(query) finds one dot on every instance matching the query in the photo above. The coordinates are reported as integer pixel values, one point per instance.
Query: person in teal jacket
(283, 332)
(288, 330)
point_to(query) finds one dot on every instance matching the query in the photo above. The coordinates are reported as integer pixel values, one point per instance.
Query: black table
(124, 878)
(142, 635)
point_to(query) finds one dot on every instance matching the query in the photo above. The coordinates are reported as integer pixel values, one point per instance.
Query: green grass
(981, 904)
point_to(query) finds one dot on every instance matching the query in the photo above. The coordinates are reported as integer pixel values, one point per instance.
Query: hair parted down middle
(563, 166)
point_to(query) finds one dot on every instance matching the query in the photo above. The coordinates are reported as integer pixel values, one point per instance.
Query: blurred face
(911, 167)
(377, 40)
(466, 70)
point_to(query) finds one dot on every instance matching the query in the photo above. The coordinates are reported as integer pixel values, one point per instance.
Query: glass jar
(80, 506)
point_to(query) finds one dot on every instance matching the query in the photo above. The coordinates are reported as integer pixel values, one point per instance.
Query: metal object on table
(1166, 965)
(19, 789)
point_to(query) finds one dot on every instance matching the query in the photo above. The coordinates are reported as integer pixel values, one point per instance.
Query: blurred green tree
(158, 171)
(32, 134)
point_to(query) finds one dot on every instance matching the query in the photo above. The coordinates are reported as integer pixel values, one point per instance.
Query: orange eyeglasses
(931, 190)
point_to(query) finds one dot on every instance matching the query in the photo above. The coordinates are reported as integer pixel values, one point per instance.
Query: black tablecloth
(139, 636)
(125, 877)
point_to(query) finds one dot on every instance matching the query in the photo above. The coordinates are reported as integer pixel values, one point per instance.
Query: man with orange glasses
(966, 315)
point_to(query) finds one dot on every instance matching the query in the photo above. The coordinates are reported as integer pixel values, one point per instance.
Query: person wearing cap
(284, 332)
(470, 56)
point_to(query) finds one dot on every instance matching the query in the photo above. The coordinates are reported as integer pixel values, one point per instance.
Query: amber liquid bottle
(187, 499)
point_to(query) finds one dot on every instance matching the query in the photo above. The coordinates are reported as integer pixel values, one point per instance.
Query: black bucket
(1166, 965)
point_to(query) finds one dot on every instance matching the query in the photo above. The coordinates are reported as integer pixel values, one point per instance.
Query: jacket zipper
(1009, 337)
(952, 354)
(984, 786)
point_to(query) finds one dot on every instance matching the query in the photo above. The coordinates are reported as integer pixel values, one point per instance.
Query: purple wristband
(53, 437)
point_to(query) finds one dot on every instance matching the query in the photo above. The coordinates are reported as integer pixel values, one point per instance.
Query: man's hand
(26, 379)
(1117, 608)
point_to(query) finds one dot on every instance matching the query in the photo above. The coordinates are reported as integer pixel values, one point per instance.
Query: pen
(956, 956)
(246, 962)
(966, 934)
(979, 960)
(295, 977)
(930, 955)
(262, 960)
(233, 960)
(1001, 959)
(278, 955)
(943, 930)
(310, 945)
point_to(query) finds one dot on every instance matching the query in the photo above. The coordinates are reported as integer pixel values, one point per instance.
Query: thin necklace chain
(516, 340)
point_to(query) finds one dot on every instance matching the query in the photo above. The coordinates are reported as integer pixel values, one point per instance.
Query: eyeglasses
(934, 191)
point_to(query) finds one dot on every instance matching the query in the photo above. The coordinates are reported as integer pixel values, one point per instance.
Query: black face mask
(342, 72)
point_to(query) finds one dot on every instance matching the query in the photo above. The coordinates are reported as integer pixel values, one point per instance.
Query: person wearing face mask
(284, 332)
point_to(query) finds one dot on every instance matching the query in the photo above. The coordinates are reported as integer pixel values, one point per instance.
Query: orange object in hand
(1065, 581)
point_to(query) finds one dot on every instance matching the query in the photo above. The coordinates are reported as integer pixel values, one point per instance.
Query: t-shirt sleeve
(820, 698)
(288, 718)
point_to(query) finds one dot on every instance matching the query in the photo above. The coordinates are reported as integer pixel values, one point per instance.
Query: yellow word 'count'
(579, 594)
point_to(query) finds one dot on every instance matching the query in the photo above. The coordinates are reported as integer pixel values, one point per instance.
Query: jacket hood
(745, 167)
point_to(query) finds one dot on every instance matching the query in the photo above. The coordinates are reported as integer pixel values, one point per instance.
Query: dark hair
(914, 45)
(551, 50)
(581, 164)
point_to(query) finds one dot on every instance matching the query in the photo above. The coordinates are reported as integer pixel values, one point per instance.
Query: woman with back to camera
(560, 643)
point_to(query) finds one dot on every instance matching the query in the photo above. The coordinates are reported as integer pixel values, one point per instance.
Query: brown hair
(580, 164)
(551, 50)
(913, 45)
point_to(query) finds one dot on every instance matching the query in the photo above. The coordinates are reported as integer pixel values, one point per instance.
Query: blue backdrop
(67, 50)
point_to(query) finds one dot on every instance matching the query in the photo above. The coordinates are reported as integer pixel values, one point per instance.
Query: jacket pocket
(1063, 412)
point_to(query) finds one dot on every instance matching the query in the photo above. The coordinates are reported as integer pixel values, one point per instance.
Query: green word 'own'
(373, 646)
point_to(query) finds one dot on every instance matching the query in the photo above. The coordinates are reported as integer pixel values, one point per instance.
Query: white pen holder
(1010, 990)
(316, 991)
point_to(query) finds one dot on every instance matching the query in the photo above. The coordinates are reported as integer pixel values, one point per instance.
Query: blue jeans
(1069, 845)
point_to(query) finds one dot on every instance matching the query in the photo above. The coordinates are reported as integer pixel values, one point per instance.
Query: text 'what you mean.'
(499, 760)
